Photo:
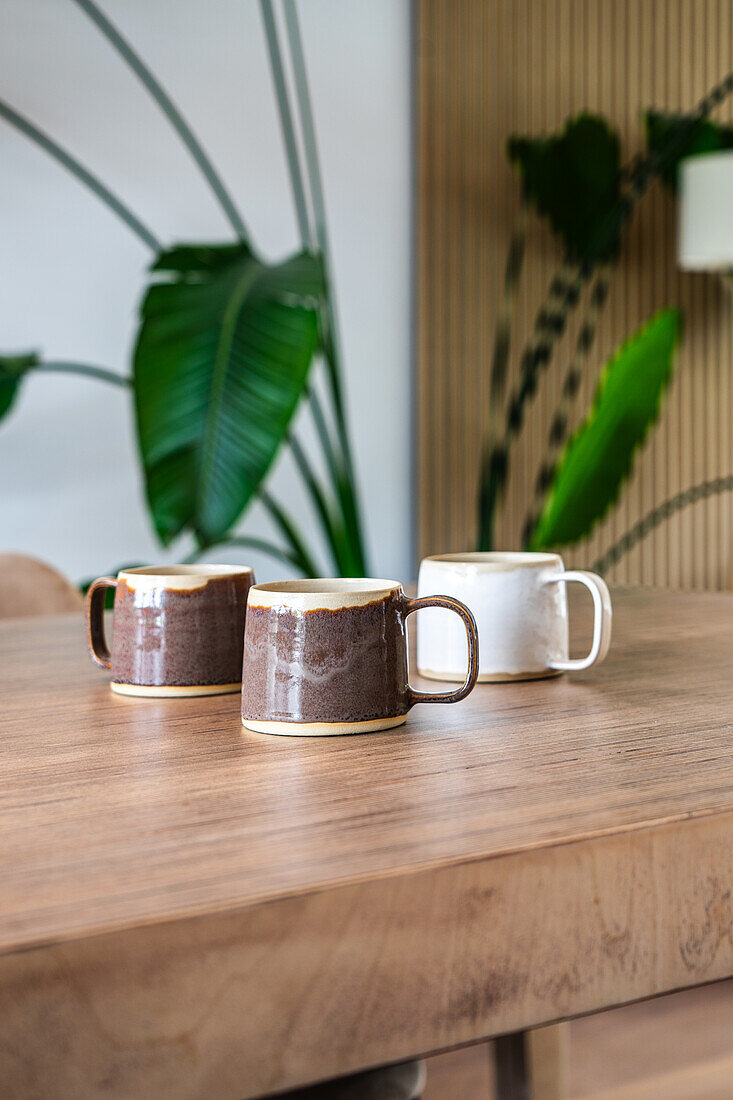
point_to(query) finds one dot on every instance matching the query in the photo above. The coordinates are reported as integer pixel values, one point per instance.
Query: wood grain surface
(190, 910)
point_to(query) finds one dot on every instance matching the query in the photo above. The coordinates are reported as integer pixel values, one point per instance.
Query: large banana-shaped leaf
(221, 359)
(600, 456)
(573, 179)
(12, 369)
(686, 137)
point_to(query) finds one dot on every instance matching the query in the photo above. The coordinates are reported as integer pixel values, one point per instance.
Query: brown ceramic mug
(330, 657)
(178, 629)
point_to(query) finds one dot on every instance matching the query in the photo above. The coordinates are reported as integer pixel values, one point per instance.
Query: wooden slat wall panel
(489, 68)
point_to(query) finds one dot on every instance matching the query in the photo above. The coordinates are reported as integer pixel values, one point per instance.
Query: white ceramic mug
(520, 606)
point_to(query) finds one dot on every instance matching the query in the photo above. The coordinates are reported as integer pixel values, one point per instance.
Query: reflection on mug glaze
(177, 630)
(180, 636)
(343, 665)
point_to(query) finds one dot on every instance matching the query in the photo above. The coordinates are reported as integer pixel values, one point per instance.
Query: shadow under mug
(330, 656)
(520, 604)
(177, 629)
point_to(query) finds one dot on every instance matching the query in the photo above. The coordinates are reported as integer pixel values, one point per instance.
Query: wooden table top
(119, 815)
(116, 811)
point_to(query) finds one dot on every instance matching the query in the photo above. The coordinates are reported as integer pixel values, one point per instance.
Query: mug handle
(602, 616)
(472, 636)
(95, 620)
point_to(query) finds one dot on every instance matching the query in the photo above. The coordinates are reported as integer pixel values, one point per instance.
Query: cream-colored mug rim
(327, 593)
(496, 561)
(179, 577)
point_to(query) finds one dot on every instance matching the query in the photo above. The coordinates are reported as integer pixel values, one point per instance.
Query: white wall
(73, 275)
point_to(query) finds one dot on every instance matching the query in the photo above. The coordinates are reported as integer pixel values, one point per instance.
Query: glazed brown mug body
(178, 629)
(330, 657)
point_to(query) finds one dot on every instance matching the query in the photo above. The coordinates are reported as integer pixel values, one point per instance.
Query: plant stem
(324, 435)
(657, 516)
(307, 238)
(335, 536)
(343, 488)
(286, 120)
(319, 208)
(170, 111)
(315, 238)
(287, 526)
(248, 543)
(559, 425)
(82, 174)
(296, 181)
(498, 378)
(549, 325)
(329, 325)
(502, 335)
(88, 371)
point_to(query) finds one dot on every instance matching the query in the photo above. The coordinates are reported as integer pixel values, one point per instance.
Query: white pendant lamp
(705, 237)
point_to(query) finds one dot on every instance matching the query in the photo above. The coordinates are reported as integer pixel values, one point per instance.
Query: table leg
(512, 1067)
(531, 1065)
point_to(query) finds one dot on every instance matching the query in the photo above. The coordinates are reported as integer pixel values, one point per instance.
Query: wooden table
(190, 910)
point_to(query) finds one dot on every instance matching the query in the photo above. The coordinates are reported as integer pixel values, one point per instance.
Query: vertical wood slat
(486, 69)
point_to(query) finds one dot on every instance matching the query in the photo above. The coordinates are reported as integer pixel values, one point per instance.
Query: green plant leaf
(688, 138)
(222, 357)
(600, 456)
(573, 179)
(12, 369)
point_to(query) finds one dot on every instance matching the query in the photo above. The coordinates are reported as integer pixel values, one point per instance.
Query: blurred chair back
(30, 587)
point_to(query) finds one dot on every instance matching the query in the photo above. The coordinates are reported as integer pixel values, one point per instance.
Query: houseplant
(576, 181)
(227, 348)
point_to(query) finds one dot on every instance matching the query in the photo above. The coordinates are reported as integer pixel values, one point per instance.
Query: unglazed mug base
(173, 691)
(323, 729)
(491, 677)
